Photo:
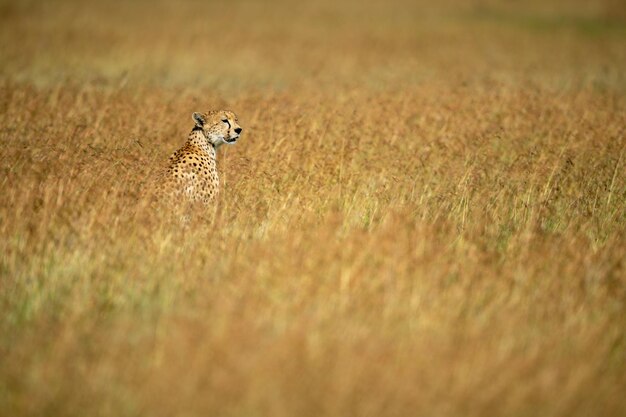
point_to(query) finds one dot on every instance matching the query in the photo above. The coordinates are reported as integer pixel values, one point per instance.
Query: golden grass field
(425, 214)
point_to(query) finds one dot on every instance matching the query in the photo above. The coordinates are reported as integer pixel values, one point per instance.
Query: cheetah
(191, 175)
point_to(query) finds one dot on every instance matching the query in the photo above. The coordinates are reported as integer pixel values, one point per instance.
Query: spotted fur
(191, 175)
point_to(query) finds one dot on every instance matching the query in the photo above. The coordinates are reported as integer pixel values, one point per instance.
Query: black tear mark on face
(227, 122)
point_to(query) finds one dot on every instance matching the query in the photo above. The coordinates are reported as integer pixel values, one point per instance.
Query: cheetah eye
(226, 121)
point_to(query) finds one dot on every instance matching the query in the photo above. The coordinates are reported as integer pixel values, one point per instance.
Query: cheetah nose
(238, 130)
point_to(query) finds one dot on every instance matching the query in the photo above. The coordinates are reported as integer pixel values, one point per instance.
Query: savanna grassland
(425, 214)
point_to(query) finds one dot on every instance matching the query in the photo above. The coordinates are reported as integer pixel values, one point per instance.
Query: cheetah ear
(198, 118)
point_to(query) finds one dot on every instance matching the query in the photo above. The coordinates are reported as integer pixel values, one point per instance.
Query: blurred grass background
(425, 215)
(242, 45)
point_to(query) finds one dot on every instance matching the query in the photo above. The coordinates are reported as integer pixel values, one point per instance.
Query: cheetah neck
(198, 138)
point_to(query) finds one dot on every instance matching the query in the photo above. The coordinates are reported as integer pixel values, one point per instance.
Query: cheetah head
(219, 127)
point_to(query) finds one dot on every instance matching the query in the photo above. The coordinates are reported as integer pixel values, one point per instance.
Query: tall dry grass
(426, 214)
